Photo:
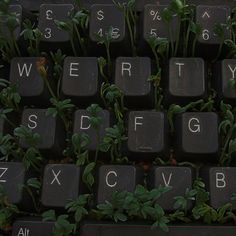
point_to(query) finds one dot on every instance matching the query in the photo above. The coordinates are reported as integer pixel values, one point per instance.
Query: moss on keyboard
(142, 204)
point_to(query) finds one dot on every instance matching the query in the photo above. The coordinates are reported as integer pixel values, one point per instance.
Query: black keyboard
(117, 117)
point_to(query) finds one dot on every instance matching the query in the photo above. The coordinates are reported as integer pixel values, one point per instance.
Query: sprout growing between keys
(9, 23)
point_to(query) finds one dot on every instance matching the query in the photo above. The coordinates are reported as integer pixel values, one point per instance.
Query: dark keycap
(80, 79)
(25, 73)
(192, 136)
(186, 80)
(147, 133)
(105, 17)
(225, 73)
(28, 227)
(113, 178)
(6, 22)
(155, 26)
(178, 178)
(220, 182)
(35, 5)
(82, 125)
(61, 183)
(53, 37)
(207, 17)
(12, 176)
(131, 76)
(106, 229)
(50, 129)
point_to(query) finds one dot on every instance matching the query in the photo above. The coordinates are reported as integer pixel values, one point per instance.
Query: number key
(208, 17)
(104, 18)
(47, 15)
(154, 25)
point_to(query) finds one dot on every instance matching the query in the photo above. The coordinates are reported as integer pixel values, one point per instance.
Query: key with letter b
(220, 182)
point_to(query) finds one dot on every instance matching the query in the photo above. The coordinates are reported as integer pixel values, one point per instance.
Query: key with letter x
(61, 183)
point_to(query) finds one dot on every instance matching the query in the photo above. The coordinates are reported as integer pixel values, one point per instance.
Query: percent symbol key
(154, 25)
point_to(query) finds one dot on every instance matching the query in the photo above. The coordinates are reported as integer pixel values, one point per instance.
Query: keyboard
(117, 117)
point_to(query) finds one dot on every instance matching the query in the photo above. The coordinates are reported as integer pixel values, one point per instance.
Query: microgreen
(7, 211)
(113, 140)
(33, 35)
(80, 142)
(62, 226)
(226, 128)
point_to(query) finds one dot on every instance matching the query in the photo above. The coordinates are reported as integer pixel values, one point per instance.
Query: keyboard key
(82, 124)
(192, 136)
(35, 5)
(106, 17)
(147, 133)
(186, 80)
(12, 176)
(53, 37)
(61, 183)
(80, 79)
(207, 17)
(154, 25)
(113, 178)
(220, 182)
(25, 73)
(131, 76)
(105, 229)
(225, 72)
(178, 178)
(28, 227)
(50, 129)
